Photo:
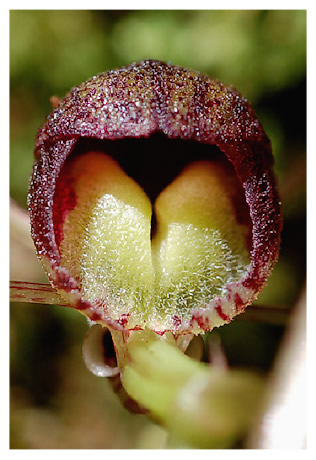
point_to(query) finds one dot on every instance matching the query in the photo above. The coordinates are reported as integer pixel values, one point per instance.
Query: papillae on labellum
(153, 202)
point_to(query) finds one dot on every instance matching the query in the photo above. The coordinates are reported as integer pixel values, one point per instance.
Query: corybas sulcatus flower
(153, 202)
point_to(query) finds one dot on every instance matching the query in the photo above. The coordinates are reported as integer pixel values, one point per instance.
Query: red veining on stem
(20, 296)
(33, 287)
(38, 299)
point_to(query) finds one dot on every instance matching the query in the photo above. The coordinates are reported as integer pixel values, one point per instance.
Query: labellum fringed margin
(143, 101)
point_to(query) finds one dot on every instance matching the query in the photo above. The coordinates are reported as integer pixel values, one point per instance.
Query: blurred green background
(55, 401)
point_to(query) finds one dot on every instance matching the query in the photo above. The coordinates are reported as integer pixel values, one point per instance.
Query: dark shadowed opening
(156, 161)
(109, 350)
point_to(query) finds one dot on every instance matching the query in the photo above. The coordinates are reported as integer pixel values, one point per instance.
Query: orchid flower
(154, 211)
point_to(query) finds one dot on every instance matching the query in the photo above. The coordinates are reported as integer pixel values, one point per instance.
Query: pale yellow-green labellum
(197, 249)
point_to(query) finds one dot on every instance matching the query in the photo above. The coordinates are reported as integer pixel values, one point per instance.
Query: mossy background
(55, 401)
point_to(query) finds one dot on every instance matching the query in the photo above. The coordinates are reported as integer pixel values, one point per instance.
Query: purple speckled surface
(140, 100)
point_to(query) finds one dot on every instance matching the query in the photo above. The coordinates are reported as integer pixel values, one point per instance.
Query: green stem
(197, 403)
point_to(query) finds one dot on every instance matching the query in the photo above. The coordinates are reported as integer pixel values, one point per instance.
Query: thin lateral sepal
(26, 292)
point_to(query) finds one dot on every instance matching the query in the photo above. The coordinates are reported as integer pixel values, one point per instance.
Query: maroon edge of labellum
(137, 101)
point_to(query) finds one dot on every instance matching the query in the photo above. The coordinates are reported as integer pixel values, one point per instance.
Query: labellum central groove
(153, 201)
